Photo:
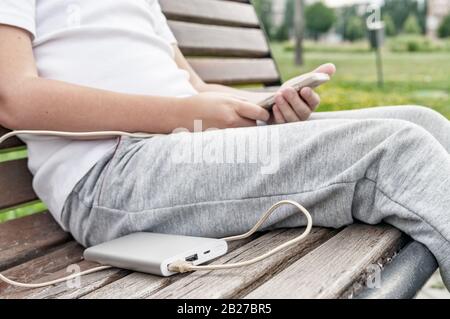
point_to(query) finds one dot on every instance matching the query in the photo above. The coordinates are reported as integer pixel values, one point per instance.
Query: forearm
(40, 104)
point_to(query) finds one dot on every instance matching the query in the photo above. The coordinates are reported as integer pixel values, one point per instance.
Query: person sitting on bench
(115, 65)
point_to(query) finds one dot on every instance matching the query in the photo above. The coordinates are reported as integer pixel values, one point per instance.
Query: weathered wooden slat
(198, 39)
(15, 184)
(88, 283)
(134, 286)
(211, 12)
(329, 270)
(12, 142)
(28, 237)
(140, 286)
(235, 71)
(60, 258)
(235, 282)
(53, 266)
(116, 280)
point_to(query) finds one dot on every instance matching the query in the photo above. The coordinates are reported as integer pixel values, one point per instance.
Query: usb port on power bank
(192, 258)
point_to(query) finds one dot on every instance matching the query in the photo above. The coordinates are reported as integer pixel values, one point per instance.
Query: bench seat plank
(324, 257)
(234, 282)
(134, 286)
(28, 237)
(216, 12)
(116, 283)
(235, 71)
(35, 269)
(331, 269)
(89, 283)
(199, 39)
(15, 184)
(140, 286)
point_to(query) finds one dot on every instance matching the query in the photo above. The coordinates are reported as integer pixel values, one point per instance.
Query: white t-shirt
(117, 45)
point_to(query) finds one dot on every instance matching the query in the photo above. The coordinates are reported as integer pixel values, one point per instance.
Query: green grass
(13, 154)
(410, 78)
(21, 211)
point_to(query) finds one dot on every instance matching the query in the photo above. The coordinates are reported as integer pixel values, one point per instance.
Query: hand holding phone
(311, 80)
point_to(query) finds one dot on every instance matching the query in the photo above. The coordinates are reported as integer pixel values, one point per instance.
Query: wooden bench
(225, 44)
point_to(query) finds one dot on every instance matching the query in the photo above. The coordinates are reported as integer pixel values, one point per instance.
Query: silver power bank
(153, 253)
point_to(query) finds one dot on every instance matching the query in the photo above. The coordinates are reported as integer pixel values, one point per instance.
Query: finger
(287, 111)
(278, 117)
(252, 111)
(311, 98)
(300, 108)
(328, 68)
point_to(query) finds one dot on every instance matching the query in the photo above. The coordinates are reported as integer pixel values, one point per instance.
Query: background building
(437, 10)
(278, 7)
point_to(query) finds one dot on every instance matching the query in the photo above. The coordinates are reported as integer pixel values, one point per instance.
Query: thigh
(436, 124)
(201, 184)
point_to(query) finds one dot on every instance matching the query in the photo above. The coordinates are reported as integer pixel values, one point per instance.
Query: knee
(421, 115)
(411, 135)
(397, 131)
(397, 134)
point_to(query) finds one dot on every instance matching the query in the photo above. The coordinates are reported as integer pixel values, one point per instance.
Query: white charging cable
(184, 266)
(53, 282)
(178, 266)
(102, 134)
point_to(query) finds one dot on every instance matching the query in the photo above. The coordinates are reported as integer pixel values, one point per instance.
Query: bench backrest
(224, 43)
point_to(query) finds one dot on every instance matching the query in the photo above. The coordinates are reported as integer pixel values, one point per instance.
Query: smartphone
(311, 80)
(152, 253)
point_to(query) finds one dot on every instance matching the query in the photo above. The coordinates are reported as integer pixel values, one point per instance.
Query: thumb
(328, 68)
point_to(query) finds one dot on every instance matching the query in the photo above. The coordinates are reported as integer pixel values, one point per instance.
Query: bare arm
(30, 102)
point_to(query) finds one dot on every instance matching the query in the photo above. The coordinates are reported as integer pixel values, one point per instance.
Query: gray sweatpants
(372, 165)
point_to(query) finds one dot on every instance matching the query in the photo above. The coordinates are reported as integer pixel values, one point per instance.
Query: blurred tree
(344, 16)
(264, 11)
(389, 25)
(355, 29)
(284, 31)
(400, 10)
(412, 25)
(319, 19)
(299, 22)
(422, 15)
(444, 28)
